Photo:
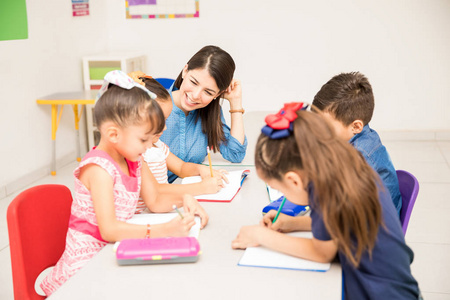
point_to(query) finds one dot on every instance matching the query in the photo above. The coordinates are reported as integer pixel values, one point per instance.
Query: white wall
(284, 51)
(47, 62)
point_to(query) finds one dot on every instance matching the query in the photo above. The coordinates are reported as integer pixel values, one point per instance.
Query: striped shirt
(155, 158)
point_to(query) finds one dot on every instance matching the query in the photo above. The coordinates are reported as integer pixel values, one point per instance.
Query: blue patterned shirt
(185, 138)
(369, 144)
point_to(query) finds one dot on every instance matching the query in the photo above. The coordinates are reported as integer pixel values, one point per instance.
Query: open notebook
(273, 193)
(153, 218)
(266, 258)
(226, 194)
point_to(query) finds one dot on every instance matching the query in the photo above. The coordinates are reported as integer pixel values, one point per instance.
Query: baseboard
(398, 135)
(29, 178)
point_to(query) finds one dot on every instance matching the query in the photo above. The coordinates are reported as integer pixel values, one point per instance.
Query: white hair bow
(122, 80)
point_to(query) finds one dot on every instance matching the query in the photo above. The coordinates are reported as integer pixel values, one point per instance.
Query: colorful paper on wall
(161, 9)
(13, 20)
(80, 8)
(141, 2)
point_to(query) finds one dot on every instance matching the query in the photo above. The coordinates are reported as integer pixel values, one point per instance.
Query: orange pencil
(209, 159)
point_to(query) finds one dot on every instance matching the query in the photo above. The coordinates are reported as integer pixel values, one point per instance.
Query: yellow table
(68, 98)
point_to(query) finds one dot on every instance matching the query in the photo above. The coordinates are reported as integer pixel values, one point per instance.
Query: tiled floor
(428, 232)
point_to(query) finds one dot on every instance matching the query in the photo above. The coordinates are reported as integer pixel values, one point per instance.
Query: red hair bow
(284, 117)
(280, 125)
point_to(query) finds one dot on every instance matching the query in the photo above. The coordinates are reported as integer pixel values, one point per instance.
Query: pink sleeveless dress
(83, 238)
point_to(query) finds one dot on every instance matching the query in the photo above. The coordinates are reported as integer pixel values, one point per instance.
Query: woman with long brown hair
(352, 215)
(197, 120)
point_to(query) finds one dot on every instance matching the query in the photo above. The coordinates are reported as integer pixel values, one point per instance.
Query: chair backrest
(165, 82)
(409, 189)
(38, 219)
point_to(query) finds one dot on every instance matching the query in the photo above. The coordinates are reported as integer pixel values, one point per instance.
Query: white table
(215, 275)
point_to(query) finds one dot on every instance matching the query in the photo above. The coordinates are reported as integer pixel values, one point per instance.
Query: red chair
(38, 219)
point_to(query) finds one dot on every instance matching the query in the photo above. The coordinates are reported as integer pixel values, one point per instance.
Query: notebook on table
(154, 218)
(266, 258)
(226, 194)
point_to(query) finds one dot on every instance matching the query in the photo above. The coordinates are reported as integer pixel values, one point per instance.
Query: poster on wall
(80, 8)
(161, 9)
(13, 20)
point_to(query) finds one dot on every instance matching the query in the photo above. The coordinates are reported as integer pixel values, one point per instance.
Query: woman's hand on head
(234, 94)
(192, 206)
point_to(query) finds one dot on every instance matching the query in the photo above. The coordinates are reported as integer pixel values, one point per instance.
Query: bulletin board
(13, 20)
(161, 9)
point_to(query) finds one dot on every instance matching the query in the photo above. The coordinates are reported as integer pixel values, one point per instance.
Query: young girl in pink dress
(111, 177)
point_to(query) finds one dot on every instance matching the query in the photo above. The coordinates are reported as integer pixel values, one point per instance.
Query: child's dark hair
(220, 65)
(162, 95)
(347, 97)
(344, 185)
(128, 107)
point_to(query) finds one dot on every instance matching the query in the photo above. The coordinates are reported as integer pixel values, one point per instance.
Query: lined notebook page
(266, 258)
(227, 193)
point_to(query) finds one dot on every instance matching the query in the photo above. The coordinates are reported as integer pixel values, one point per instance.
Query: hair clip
(136, 76)
(122, 80)
(280, 125)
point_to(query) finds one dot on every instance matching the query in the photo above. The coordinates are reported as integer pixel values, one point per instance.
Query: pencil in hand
(175, 207)
(279, 210)
(209, 159)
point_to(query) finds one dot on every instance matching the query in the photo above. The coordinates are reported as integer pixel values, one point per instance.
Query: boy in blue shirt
(347, 101)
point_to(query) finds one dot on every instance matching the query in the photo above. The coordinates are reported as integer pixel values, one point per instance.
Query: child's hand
(205, 172)
(212, 185)
(180, 227)
(247, 237)
(283, 224)
(191, 205)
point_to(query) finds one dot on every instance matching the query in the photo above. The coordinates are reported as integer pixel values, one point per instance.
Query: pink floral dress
(83, 238)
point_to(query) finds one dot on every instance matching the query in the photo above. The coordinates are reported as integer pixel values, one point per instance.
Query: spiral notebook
(226, 194)
(266, 258)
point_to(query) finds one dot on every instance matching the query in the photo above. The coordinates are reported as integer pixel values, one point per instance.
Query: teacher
(197, 119)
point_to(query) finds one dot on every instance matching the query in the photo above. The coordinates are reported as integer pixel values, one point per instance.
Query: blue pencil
(279, 210)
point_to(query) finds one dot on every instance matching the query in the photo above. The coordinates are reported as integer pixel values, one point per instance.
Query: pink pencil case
(158, 251)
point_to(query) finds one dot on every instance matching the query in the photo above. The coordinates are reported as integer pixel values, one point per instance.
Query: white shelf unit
(96, 66)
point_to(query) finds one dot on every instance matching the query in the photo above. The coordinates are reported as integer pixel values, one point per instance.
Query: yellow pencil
(209, 159)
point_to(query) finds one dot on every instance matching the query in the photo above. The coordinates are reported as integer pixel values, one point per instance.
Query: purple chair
(409, 189)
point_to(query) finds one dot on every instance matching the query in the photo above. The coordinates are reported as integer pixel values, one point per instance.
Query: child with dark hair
(112, 176)
(347, 101)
